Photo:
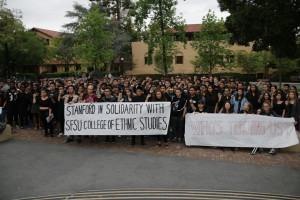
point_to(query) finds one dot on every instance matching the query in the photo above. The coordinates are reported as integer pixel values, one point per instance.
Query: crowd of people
(25, 101)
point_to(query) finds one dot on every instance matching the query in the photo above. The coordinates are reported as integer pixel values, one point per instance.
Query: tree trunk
(6, 66)
(162, 27)
(280, 72)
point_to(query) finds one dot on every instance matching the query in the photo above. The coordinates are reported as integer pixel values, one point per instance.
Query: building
(182, 61)
(53, 65)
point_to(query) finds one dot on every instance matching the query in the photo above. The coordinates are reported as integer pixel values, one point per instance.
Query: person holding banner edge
(140, 97)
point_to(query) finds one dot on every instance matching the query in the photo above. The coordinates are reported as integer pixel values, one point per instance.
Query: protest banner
(112, 118)
(239, 130)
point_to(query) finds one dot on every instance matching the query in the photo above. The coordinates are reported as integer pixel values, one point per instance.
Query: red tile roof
(191, 28)
(50, 33)
(57, 62)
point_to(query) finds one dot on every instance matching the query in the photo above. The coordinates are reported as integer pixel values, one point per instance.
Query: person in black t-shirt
(108, 98)
(200, 107)
(178, 112)
(45, 111)
(12, 107)
(140, 97)
(192, 100)
(23, 106)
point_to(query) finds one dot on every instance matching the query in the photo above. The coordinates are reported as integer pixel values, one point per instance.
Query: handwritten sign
(239, 130)
(145, 118)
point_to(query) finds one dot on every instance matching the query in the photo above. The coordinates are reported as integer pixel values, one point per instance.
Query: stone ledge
(6, 134)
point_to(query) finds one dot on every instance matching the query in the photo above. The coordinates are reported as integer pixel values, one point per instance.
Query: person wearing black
(23, 106)
(178, 112)
(35, 109)
(293, 108)
(108, 98)
(253, 96)
(140, 97)
(192, 100)
(200, 107)
(61, 110)
(211, 100)
(278, 104)
(12, 107)
(53, 95)
(158, 97)
(267, 111)
(223, 98)
(45, 111)
(2, 105)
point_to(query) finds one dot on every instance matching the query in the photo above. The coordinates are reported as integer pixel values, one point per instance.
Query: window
(47, 42)
(78, 67)
(146, 60)
(230, 59)
(179, 58)
(66, 68)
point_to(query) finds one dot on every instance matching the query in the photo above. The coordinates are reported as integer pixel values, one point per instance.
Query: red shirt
(90, 98)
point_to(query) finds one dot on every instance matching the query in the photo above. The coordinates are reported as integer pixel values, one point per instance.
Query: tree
(120, 13)
(93, 42)
(27, 50)
(163, 24)
(62, 49)
(268, 24)
(10, 25)
(253, 61)
(211, 44)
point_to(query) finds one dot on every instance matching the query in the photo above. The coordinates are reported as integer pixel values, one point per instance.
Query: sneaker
(22, 127)
(60, 135)
(68, 140)
(272, 151)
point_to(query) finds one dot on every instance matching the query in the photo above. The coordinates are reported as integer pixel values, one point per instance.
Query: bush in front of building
(30, 76)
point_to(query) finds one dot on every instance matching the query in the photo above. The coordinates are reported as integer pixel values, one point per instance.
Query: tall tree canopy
(119, 12)
(267, 23)
(160, 39)
(93, 41)
(211, 44)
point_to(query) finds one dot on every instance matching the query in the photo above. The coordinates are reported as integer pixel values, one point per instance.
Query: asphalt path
(31, 169)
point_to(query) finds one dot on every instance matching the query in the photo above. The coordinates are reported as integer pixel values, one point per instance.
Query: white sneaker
(60, 135)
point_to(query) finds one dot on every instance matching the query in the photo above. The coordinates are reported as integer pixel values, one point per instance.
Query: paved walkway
(34, 169)
(283, 159)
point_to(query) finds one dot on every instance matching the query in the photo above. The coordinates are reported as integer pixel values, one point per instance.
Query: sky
(51, 14)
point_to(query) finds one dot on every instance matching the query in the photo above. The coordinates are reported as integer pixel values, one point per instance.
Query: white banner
(112, 118)
(239, 130)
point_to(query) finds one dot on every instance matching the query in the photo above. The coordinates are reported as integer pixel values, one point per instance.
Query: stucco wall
(140, 49)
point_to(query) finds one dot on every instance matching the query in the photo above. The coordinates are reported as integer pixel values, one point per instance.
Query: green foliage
(252, 62)
(121, 12)
(30, 76)
(27, 50)
(62, 49)
(268, 23)
(93, 42)
(10, 26)
(211, 44)
(160, 31)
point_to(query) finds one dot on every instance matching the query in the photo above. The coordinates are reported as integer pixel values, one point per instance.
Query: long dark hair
(237, 94)
(163, 97)
(230, 109)
(256, 91)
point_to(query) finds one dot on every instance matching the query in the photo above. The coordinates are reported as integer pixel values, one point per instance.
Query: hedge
(242, 77)
(30, 76)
